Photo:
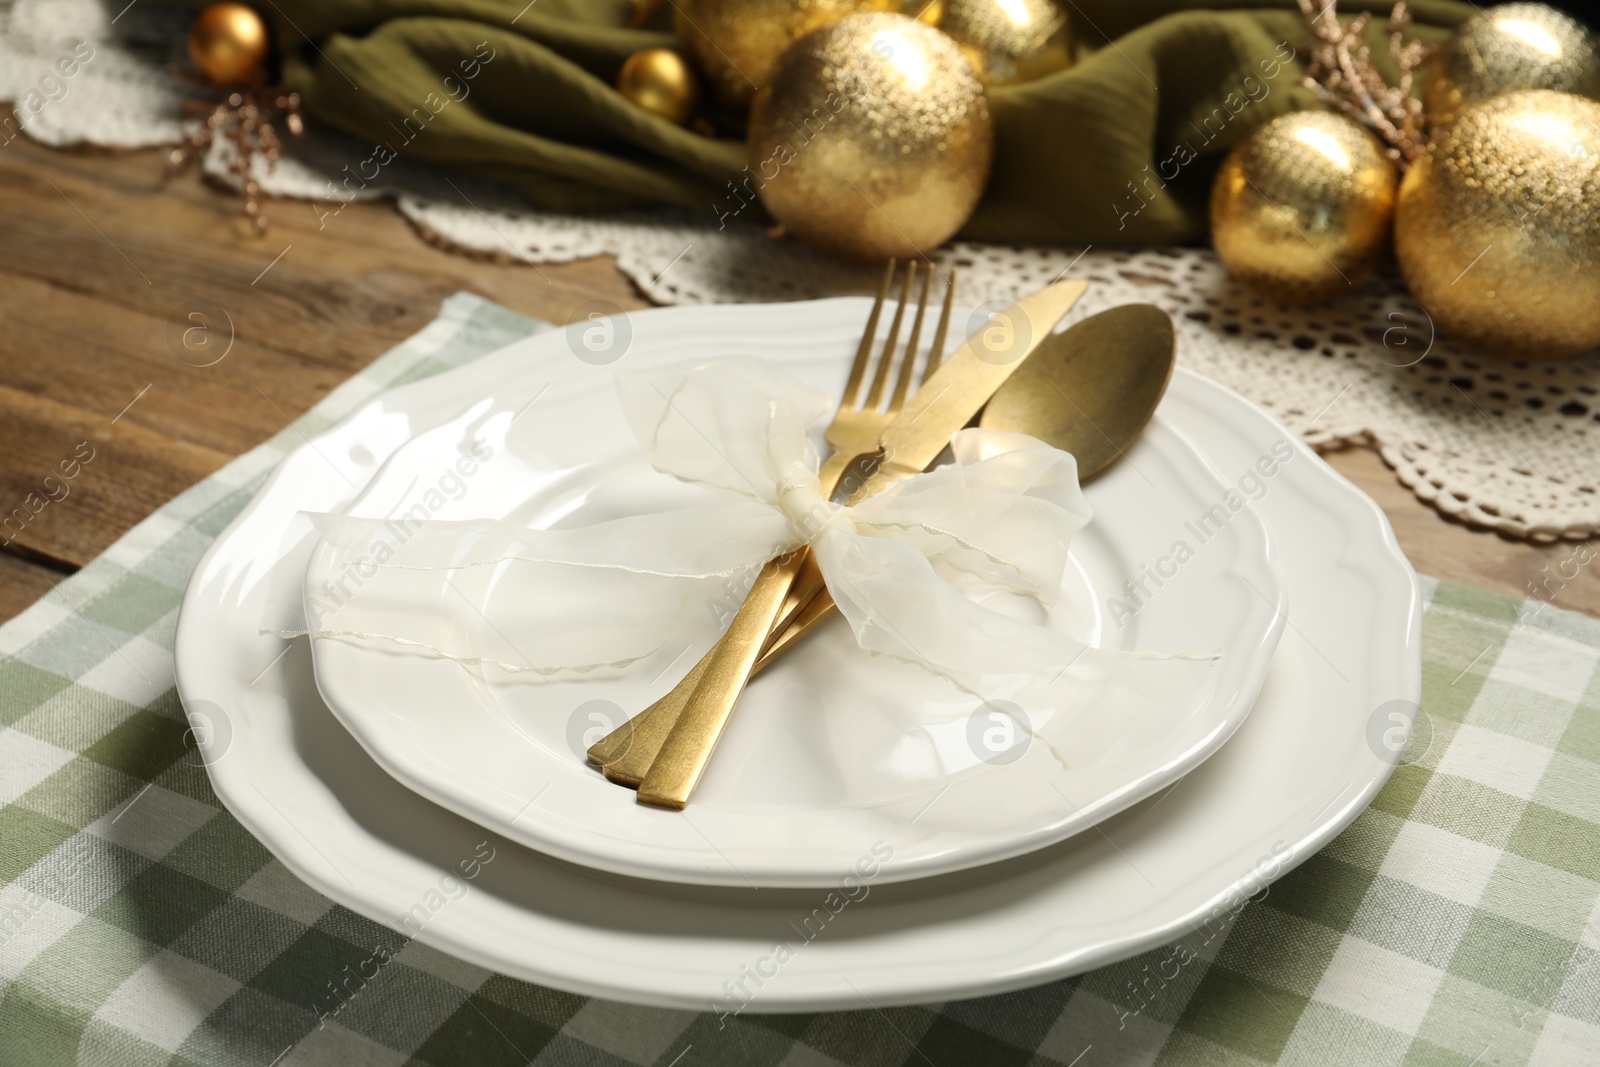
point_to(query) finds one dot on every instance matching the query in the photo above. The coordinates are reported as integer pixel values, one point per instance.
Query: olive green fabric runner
(1119, 148)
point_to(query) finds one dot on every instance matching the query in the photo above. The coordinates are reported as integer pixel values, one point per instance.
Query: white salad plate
(829, 748)
(1296, 771)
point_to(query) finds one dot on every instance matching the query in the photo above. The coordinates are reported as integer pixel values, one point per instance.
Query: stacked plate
(846, 846)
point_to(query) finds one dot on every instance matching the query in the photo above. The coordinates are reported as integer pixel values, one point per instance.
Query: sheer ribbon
(954, 569)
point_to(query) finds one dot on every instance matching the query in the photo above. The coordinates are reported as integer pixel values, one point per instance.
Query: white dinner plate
(831, 746)
(1298, 770)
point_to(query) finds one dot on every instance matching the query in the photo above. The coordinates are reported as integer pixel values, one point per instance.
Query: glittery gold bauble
(1301, 209)
(1512, 47)
(228, 42)
(1008, 40)
(1498, 225)
(658, 80)
(874, 139)
(736, 43)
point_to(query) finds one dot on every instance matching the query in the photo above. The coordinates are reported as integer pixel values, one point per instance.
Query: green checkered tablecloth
(1457, 921)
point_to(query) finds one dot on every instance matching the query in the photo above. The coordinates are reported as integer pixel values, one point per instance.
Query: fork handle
(687, 747)
(626, 754)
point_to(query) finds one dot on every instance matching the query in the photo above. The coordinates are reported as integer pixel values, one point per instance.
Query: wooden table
(102, 257)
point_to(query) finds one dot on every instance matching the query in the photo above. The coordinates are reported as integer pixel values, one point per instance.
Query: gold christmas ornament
(1301, 210)
(1008, 40)
(228, 42)
(736, 43)
(874, 139)
(1512, 47)
(1498, 226)
(658, 80)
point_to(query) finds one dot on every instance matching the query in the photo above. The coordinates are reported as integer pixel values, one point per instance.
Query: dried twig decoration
(248, 118)
(1342, 75)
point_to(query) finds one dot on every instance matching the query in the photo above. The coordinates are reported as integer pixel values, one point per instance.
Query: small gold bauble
(1008, 40)
(1301, 209)
(1512, 47)
(228, 42)
(874, 139)
(658, 80)
(736, 43)
(1498, 225)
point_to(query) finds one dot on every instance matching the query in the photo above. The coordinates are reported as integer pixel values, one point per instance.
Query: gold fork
(625, 754)
(867, 425)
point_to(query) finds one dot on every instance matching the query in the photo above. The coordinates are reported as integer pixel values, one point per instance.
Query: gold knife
(946, 402)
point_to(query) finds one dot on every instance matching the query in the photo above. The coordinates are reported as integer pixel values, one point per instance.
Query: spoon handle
(806, 619)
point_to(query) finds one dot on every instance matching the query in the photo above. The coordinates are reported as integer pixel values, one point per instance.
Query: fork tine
(936, 353)
(858, 370)
(886, 360)
(908, 366)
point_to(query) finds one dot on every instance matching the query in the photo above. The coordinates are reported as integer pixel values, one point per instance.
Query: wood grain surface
(104, 260)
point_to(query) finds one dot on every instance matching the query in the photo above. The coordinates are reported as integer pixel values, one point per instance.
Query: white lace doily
(1504, 444)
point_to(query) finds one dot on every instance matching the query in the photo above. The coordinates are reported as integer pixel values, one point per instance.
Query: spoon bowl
(1092, 388)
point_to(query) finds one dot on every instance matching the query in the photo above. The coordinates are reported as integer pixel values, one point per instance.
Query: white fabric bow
(931, 570)
(996, 519)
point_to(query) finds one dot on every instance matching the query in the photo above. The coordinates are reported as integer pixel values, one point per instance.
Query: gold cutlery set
(1090, 393)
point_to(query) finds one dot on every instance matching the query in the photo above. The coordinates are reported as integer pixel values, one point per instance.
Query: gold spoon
(1088, 390)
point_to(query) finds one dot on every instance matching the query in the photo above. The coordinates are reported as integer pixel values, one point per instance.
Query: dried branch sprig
(1342, 75)
(249, 118)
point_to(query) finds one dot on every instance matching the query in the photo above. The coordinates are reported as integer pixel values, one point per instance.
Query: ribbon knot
(996, 520)
(810, 513)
